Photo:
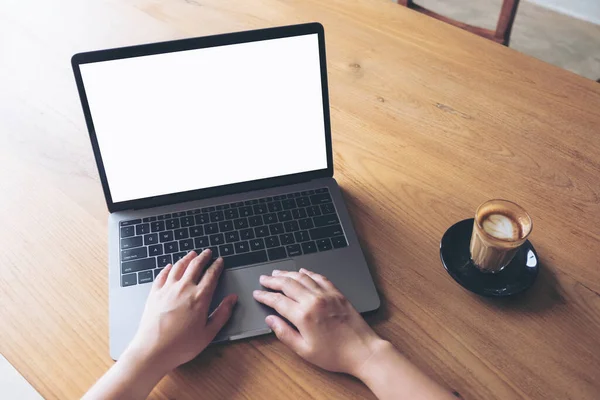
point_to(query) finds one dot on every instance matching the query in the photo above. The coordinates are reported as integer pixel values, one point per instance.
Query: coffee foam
(501, 227)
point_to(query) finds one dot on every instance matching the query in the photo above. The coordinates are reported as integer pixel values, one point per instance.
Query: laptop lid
(188, 119)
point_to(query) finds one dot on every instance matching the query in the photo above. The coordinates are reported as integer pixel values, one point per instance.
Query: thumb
(286, 334)
(221, 314)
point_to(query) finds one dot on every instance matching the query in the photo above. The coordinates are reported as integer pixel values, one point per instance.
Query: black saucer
(516, 277)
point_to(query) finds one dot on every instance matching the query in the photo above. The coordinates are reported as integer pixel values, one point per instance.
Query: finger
(286, 334)
(209, 281)
(320, 279)
(221, 315)
(197, 265)
(304, 279)
(161, 278)
(180, 266)
(283, 305)
(289, 286)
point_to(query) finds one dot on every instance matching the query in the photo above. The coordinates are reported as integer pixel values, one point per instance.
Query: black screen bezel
(198, 43)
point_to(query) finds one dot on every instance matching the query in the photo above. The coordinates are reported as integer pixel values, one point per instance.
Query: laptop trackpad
(248, 317)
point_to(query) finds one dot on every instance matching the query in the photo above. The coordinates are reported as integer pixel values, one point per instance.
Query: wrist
(378, 350)
(142, 364)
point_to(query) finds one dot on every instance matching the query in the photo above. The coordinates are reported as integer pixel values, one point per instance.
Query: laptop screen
(201, 118)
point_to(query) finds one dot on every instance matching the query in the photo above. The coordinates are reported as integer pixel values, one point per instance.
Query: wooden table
(428, 122)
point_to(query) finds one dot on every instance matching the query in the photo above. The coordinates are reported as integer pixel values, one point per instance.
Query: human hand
(175, 326)
(331, 333)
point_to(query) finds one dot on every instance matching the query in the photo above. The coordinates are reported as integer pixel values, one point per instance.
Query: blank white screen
(195, 119)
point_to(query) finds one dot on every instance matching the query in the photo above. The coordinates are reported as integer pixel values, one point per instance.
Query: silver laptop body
(220, 142)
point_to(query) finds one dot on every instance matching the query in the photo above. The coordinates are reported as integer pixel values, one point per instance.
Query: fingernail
(269, 320)
(262, 278)
(302, 270)
(256, 293)
(276, 272)
(205, 250)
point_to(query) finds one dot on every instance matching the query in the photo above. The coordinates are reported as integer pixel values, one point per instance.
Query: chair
(503, 28)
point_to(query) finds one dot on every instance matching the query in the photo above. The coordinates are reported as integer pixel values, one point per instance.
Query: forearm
(132, 377)
(390, 375)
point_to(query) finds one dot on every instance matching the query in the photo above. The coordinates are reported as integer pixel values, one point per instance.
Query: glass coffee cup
(500, 228)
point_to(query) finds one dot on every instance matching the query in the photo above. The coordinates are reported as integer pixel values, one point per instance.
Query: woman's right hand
(331, 333)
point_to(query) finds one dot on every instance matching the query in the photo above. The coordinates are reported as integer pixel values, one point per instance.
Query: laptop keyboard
(243, 233)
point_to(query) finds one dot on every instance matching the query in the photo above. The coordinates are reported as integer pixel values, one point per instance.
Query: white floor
(587, 10)
(13, 385)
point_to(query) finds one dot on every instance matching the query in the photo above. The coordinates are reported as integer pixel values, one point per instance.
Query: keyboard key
(214, 252)
(239, 260)
(288, 204)
(299, 213)
(197, 230)
(217, 216)
(303, 201)
(257, 244)
(263, 200)
(260, 209)
(311, 192)
(325, 220)
(248, 203)
(339, 242)
(261, 231)
(138, 265)
(209, 209)
(129, 280)
(326, 231)
(186, 244)
(210, 229)
(131, 242)
(313, 211)
(216, 240)
(226, 226)
(269, 199)
(201, 219)
(165, 260)
(182, 233)
(287, 238)
(327, 208)
(201, 242)
(241, 223)
(187, 221)
(172, 223)
(276, 229)
(279, 197)
(155, 250)
(301, 236)
(255, 220)
(277, 253)
(274, 206)
(179, 214)
(291, 226)
(232, 213)
(297, 194)
(145, 277)
(161, 217)
(309, 247)
(226, 250)
(284, 216)
(178, 256)
(246, 211)
(231, 237)
(324, 244)
(157, 271)
(127, 231)
(241, 247)
(290, 196)
(247, 234)
(165, 236)
(293, 250)
(222, 206)
(134, 254)
(320, 198)
(270, 218)
(321, 190)
(157, 226)
(171, 247)
(151, 238)
(130, 222)
(272, 241)
(238, 204)
(142, 229)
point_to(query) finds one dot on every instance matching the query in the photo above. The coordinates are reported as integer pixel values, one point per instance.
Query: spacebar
(239, 260)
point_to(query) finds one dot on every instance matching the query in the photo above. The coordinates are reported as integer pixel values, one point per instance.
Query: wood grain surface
(428, 122)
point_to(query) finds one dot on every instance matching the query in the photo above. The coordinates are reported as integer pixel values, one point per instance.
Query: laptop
(220, 142)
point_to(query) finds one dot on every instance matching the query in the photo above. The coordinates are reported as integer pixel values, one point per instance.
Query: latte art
(501, 227)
